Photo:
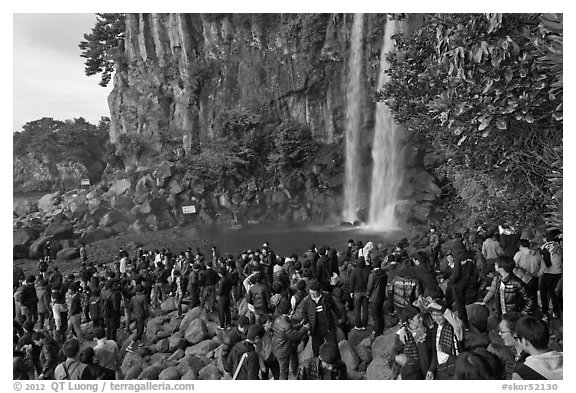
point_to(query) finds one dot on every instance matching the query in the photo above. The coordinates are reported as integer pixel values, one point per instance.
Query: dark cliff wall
(181, 70)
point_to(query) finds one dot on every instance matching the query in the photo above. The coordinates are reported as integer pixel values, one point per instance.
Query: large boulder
(131, 360)
(195, 313)
(177, 355)
(383, 345)
(37, 247)
(24, 207)
(122, 203)
(120, 187)
(163, 345)
(356, 336)
(93, 235)
(189, 375)
(23, 236)
(196, 332)
(349, 355)
(133, 372)
(59, 230)
(209, 372)
(202, 348)
(111, 218)
(48, 201)
(176, 341)
(382, 368)
(190, 363)
(170, 373)
(68, 253)
(364, 353)
(168, 305)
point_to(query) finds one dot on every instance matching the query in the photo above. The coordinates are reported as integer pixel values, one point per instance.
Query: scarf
(413, 338)
(447, 340)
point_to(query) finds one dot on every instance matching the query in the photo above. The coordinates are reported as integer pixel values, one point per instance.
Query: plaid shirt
(312, 371)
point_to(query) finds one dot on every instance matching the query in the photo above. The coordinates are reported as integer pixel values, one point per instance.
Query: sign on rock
(85, 182)
(188, 209)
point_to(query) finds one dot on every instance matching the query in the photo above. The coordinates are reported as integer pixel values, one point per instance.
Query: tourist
(491, 250)
(285, 340)
(95, 308)
(508, 290)
(48, 355)
(376, 293)
(72, 368)
(434, 241)
(60, 313)
(194, 285)
(509, 240)
(87, 357)
(413, 346)
(405, 290)
(447, 339)
(529, 266)
(111, 308)
(551, 275)
(223, 289)
(44, 308)
(107, 354)
(139, 312)
(75, 310)
(160, 290)
(258, 297)
(243, 356)
(543, 363)
(318, 311)
(327, 365)
(209, 278)
(507, 332)
(28, 300)
(358, 286)
(231, 337)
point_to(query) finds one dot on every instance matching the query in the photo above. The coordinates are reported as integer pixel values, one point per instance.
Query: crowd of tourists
(268, 306)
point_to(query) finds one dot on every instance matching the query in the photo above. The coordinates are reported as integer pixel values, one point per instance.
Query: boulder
(150, 373)
(174, 187)
(383, 345)
(195, 313)
(190, 363)
(202, 348)
(23, 236)
(131, 360)
(68, 253)
(364, 353)
(349, 355)
(133, 372)
(209, 372)
(37, 247)
(159, 358)
(176, 341)
(170, 373)
(120, 187)
(177, 355)
(122, 203)
(48, 201)
(59, 230)
(168, 305)
(196, 331)
(212, 329)
(189, 375)
(111, 218)
(163, 345)
(93, 235)
(23, 208)
(382, 368)
(356, 336)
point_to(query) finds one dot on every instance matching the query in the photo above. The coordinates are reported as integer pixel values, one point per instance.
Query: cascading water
(353, 121)
(386, 152)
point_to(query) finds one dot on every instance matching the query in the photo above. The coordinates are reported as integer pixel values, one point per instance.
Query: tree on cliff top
(486, 90)
(103, 45)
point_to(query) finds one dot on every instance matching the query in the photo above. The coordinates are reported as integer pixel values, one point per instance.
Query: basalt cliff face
(181, 70)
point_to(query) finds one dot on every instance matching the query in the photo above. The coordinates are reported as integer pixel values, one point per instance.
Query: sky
(48, 73)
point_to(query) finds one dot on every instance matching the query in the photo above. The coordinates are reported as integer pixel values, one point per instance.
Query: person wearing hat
(72, 368)
(448, 339)
(327, 366)
(243, 356)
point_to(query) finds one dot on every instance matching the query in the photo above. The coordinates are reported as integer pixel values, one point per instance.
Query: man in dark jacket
(358, 286)
(112, 308)
(510, 292)
(209, 279)
(376, 294)
(232, 336)
(405, 290)
(244, 359)
(258, 296)
(223, 289)
(318, 309)
(327, 366)
(138, 309)
(285, 339)
(323, 270)
(29, 299)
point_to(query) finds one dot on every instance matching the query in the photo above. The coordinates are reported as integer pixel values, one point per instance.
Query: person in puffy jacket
(358, 286)
(243, 356)
(405, 290)
(232, 336)
(258, 296)
(285, 339)
(376, 294)
(508, 290)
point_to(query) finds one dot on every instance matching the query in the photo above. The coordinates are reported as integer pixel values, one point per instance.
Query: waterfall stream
(353, 122)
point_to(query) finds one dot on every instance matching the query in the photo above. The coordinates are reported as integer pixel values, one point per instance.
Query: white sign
(85, 182)
(188, 209)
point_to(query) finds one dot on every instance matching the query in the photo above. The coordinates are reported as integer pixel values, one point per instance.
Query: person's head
(71, 348)
(312, 247)
(532, 334)
(351, 243)
(432, 228)
(265, 245)
(301, 285)
(99, 333)
(524, 243)
(504, 264)
(30, 279)
(255, 333)
(315, 290)
(420, 258)
(411, 315)
(242, 323)
(478, 364)
(29, 325)
(438, 314)
(329, 354)
(376, 262)
(38, 338)
(507, 328)
(139, 288)
(87, 355)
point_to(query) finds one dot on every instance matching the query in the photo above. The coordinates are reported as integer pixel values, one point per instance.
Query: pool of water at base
(285, 238)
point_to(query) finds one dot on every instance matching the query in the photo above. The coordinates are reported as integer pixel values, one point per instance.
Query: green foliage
(486, 90)
(102, 47)
(294, 145)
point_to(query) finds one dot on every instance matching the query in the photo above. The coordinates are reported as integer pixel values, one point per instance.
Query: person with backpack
(56, 279)
(72, 368)
(243, 356)
(232, 336)
(405, 290)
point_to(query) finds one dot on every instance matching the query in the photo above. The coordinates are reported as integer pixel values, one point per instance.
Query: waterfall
(386, 152)
(353, 122)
